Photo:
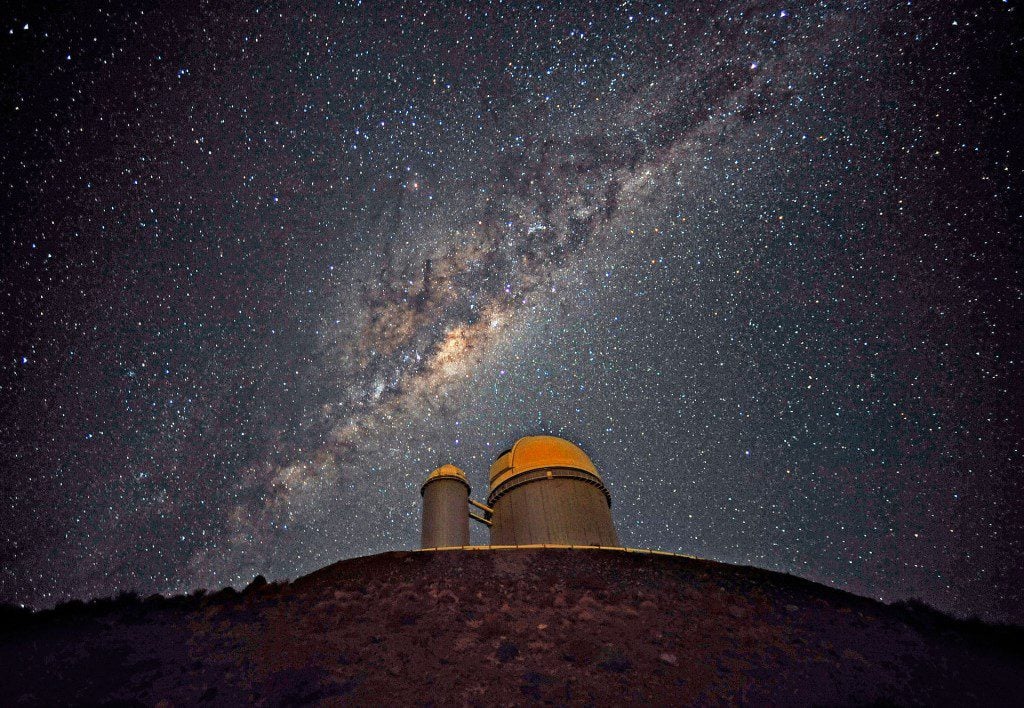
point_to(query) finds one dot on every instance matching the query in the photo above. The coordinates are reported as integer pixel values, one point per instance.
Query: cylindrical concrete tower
(445, 511)
(546, 490)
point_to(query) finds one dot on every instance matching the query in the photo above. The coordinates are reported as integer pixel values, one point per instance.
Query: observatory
(543, 490)
(445, 496)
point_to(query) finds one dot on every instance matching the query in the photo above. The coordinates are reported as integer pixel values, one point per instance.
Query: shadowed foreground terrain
(508, 627)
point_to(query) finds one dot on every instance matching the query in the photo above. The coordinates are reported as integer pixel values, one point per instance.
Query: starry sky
(265, 266)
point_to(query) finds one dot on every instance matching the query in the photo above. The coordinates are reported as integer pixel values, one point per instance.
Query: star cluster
(265, 266)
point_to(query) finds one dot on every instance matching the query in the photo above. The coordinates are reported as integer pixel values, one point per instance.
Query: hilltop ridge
(486, 627)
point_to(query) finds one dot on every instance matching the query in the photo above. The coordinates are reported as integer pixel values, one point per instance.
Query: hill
(486, 627)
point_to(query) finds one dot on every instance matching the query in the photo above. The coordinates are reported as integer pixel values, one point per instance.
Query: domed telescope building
(543, 490)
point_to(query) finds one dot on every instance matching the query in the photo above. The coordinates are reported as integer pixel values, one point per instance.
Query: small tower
(445, 498)
(546, 490)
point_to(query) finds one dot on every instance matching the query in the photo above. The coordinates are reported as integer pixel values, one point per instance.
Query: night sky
(265, 266)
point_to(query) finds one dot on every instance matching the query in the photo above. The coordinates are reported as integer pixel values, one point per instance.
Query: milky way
(265, 267)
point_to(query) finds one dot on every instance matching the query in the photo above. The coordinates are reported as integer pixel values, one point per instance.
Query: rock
(507, 651)
(258, 582)
(670, 659)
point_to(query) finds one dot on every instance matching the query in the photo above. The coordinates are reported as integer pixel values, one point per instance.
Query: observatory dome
(445, 472)
(545, 490)
(445, 495)
(536, 452)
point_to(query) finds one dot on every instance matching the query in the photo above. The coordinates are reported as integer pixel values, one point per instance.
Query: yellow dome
(539, 452)
(445, 472)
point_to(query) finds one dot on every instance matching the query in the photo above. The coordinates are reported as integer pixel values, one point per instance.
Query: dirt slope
(511, 627)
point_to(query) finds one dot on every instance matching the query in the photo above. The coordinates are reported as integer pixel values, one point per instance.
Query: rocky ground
(510, 627)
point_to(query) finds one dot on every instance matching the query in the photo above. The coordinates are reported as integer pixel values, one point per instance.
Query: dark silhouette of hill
(487, 627)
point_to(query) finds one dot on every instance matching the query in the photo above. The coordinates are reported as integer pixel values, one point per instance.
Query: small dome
(445, 472)
(539, 452)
